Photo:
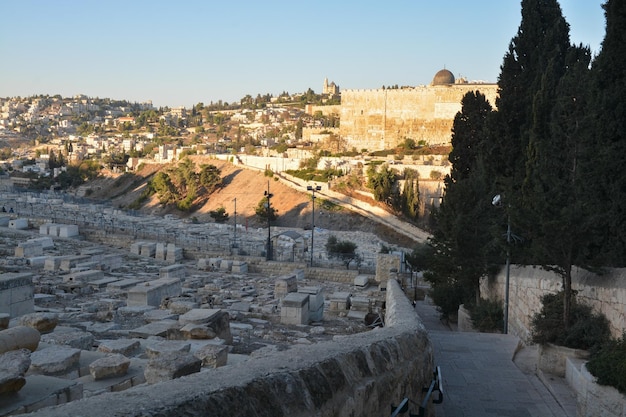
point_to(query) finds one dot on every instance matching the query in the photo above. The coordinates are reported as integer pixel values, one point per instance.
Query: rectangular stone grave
(102, 283)
(122, 284)
(295, 309)
(84, 276)
(285, 285)
(173, 254)
(18, 224)
(359, 307)
(37, 261)
(4, 221)
(148, 249)
(361, 281)
(173, 271)
(316, 302)
(160, 251)
(53, 263)
(225, 265)
(151, 293)
(69, 262)
(44, 229)
(84, 266)
(68, 230)
(53, 229)
(28, 249)
(199, 316)
(111, 262)
(239, 267)
(16, 294)
(42, 391)
(339, 301)
(96, 254)
(45, 242)
(135, 248)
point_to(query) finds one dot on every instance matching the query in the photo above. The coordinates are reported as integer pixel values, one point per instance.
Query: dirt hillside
(247, 187)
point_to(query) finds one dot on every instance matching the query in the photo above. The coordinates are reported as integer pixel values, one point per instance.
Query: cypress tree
(555, 207)
(605, 162)
(536, 51)
(462, 238)
(534, 162)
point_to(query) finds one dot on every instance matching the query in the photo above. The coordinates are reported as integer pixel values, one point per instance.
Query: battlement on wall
(307, 380)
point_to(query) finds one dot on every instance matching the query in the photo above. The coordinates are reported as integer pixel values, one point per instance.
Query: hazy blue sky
(183, 53)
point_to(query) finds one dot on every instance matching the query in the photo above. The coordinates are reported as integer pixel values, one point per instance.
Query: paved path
(480, 378)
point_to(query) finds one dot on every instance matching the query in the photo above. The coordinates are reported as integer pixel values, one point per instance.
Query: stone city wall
(605, 293)
(360, 375)
(383, 118)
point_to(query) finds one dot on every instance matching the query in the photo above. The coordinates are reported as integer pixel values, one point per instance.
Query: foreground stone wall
(605, 293)
(359, 375)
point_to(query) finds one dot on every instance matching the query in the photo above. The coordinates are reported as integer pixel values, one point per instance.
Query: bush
(487, 316)
(587, 330)
(608, 364)
(447, 297)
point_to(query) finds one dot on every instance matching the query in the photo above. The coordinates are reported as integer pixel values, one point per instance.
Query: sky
(202, 51)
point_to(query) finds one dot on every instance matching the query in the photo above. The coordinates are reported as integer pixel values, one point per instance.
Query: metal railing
(435, 385)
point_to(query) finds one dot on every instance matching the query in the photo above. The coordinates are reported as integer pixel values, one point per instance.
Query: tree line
(552, 151)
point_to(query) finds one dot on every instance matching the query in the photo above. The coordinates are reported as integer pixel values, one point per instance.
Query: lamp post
(497, 201)
(313, 190)
(235, 245)
(268, 195)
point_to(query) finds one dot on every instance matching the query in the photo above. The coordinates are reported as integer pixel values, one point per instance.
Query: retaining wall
(605, 293)
(358, 375)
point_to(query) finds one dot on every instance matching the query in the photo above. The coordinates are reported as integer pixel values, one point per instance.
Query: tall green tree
(462, 239)
(410, 198)
(605, 162)
(555, 205)
(530, 91)
(541, 41)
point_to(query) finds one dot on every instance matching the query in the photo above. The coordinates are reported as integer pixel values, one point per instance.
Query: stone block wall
(360, 375)
(605, 293)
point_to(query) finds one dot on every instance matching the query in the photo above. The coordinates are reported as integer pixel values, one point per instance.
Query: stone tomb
(16, 294)
(173, 271)
(18, 224)
(339, 301)
(285, 285)
(295, 309)
(151, 293)
(28, 250)
(316, 302)
(58, 230)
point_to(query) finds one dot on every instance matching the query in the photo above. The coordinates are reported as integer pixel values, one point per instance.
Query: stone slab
(157, 328)
(41, 391)
(198, 316)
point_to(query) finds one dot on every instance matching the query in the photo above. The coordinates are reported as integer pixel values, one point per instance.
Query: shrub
(447, 296)
(608, 364)
(587, 330)
(487, 316)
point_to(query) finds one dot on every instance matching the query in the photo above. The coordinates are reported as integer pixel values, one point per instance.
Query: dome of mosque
(443, 77)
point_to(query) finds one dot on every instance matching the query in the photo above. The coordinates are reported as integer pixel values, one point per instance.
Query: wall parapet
(360, 374)
(604, 293)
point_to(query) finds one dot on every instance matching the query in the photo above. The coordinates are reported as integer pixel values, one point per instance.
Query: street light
(268, 195)
(235, 245)
(497, 202)
(313, 190)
